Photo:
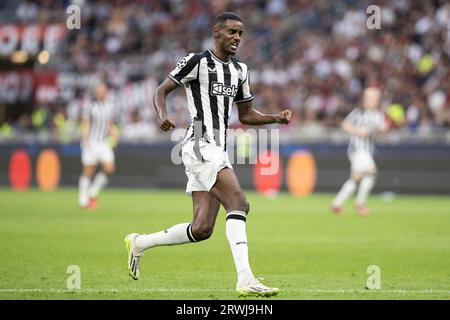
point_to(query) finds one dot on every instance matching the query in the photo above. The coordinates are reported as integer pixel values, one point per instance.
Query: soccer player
(213, 80)
(97, 127)
(362, 124)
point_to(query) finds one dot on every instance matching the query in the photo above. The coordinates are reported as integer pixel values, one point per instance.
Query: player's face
(228, 36)
(101, 91)
(371, 98)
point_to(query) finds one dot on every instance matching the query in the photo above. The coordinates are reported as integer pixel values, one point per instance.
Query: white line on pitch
(218, 290)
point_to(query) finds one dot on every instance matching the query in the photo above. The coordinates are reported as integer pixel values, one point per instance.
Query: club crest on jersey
(241, 75)
(219, 89)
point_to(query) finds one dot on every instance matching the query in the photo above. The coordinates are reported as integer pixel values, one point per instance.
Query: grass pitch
(296, 244)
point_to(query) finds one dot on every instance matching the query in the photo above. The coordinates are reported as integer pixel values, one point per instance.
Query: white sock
(347, 189)
(83, 187)
(178, 234)
(237, 237)
(365, 186)
(100, 181)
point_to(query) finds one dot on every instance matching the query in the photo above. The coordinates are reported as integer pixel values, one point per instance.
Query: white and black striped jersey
(100, 114)
(211, 85)
(371, 120)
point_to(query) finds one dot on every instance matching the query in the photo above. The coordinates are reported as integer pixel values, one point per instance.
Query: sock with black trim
(237, 237)
(178, 234)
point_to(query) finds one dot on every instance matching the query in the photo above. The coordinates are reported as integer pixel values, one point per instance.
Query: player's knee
(88, 172)
(202, 231)
(372, 173)
(246, 206)
(109, 171)
(242, 204)
(237, 201)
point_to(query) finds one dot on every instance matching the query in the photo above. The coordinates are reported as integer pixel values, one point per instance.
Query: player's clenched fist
(284, 117)
(167, 125)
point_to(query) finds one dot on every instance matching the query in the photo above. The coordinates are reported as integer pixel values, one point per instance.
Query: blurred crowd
(313, 56)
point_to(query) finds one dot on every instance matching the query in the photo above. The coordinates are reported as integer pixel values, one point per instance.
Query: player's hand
(284, 117)
(363, 132)
(167, 124)
(113, 141)
(388, 125)
(86, 144)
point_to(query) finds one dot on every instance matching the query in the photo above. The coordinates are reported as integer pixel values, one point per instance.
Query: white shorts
(361, 161)
(202, 175)
(97, 152)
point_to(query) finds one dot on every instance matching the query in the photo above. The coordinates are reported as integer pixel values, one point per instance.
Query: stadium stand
(315, 56)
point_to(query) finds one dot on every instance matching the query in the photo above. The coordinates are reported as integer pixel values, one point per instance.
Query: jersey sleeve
(244, 93)
(186, 69)
(352, 116)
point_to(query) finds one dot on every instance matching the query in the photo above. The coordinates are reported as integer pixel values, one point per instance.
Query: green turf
(296, 244)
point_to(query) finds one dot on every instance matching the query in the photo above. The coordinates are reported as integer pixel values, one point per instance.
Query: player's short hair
(224, 16)
(102, 81)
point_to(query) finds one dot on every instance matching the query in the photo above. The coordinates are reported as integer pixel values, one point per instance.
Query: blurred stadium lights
(19, 57)
(44, 57)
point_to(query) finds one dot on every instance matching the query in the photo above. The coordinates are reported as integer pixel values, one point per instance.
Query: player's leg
(100, 180)
(206, 208)
(84, 183)
(346, 191)
(89, 160)
(349, 186)
(367, 182)
(108, 168)
(229, 193)
(89, 163)
(365, 187)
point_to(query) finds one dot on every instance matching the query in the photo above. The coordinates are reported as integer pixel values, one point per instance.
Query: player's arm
(159, 103)
(250, 116)
(85, 126)
(385, 126)
(185, 71)
(114, 133)
(348, 127)
(113, 130)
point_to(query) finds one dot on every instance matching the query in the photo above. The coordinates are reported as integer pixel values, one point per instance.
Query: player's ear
(216, 32)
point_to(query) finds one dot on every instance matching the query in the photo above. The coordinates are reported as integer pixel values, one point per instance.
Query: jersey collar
(217, 58)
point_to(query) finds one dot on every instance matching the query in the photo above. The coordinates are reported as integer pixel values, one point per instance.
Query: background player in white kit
(96, 128)
(362, 124)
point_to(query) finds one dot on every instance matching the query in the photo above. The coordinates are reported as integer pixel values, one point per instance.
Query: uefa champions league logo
(181, 63)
